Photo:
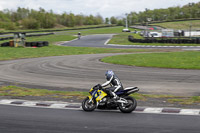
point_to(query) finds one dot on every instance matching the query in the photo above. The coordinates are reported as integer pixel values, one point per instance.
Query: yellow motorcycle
(99, 99)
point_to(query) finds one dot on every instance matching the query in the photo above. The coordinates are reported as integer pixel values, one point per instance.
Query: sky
(106, 8)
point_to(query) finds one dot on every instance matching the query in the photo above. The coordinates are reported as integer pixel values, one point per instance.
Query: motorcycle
(99, 99)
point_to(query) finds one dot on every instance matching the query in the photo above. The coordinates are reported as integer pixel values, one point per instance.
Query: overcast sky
(106, 8)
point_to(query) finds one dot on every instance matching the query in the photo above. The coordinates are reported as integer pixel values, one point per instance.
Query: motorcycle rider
(114, 82)
(79, 35)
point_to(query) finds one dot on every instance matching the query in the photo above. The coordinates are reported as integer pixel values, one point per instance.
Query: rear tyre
(88, 106)
(130, 106)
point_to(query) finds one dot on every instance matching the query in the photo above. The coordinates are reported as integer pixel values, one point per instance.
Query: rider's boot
(115, 97)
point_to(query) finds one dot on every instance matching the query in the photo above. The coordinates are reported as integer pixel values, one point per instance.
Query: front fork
(92, 101)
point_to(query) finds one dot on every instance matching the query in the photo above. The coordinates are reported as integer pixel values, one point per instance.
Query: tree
(120, 22)
(107, 21)
(79, 20)
(30, 23)
(98, 19)
(113, 20)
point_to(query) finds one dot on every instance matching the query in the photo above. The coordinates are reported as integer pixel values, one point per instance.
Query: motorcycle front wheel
(130, 106)
(88, 106)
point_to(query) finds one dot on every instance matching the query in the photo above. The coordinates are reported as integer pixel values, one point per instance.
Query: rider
(115, 83)
(79, 35)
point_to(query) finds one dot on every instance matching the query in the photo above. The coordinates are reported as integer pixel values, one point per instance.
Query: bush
(30, 23)
(8, 25)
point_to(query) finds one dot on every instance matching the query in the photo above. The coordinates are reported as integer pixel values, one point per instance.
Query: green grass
(17, 53)
(108, 30)
(169, 98)
(56, 28)
(111, 30)
(7, 53)
(122, 39)
(181, 60)
(69, 35)
(185, 100)
(184, 25)
(51, 38)
(21, 92)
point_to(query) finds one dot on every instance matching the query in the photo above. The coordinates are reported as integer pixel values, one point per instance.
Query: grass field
(18, 53)
(122, 39)
(14, 91)
(7, 53)
(183, 60)
(56, 28)
(180, 60)
(186, 60)
(22, 92)
(109, 30)
(184, 25)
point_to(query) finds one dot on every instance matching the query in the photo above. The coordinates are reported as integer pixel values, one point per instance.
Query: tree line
(24, 18)
(191, 10)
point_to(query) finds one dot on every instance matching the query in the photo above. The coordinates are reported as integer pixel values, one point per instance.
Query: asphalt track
(91, 41)
(101, 40)
(42, 120)
(84, 71)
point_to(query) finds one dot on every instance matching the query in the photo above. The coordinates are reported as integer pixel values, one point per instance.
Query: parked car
(126, 30)
(155, 34)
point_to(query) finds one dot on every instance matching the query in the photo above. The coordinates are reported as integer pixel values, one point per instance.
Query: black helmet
(109, 74)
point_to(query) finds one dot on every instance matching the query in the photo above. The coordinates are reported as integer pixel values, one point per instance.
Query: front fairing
(97, 95)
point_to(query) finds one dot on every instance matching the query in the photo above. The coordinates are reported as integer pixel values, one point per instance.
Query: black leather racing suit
(115, 84)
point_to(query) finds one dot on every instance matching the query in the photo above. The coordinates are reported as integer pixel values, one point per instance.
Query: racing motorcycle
(99, 99)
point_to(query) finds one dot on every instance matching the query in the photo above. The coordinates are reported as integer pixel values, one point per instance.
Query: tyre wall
(165, 40)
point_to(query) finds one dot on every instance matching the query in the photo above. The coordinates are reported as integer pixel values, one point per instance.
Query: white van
(155, 34)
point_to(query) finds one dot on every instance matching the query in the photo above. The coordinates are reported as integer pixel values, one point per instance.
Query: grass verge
(56, 28)
(180, 24)
(8, 53)
(122, 39)
(14, 91)
(20, 92)
(108, 30)
(179, 60)
(169, 98)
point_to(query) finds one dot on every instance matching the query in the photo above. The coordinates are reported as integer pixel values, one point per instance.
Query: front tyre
(128, 107)
(88, 106)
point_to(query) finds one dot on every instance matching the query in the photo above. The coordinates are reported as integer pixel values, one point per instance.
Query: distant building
(167, 33)
(191, 33)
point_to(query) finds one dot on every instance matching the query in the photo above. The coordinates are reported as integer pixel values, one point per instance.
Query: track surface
(39, 120)
(91, 41)
(100, 40)
(84, 71)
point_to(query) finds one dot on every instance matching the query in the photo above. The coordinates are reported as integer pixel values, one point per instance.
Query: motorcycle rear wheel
(86, 106)
(128, 108)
